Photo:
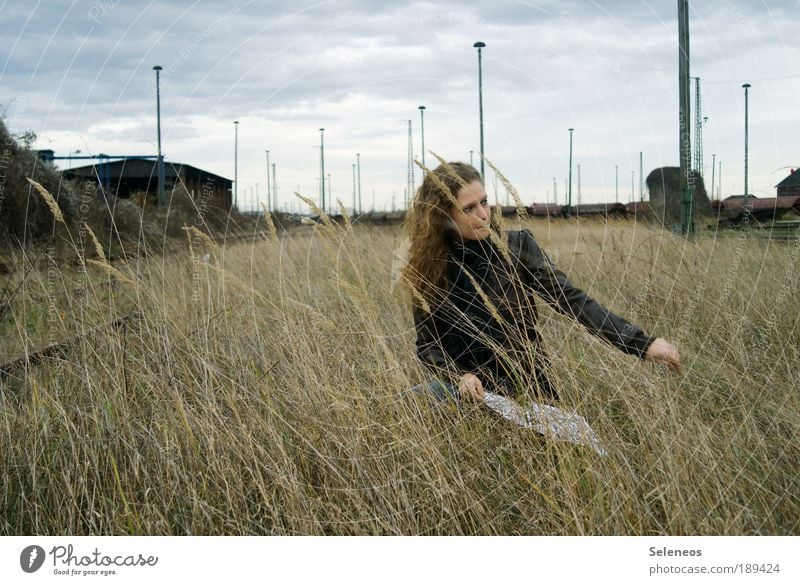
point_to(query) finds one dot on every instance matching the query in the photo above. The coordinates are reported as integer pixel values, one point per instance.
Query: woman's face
(473, 223)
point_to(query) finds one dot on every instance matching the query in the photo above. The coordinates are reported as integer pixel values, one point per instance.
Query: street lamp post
(633, 193)
(422, 130)
(322, 167)
(410, 187)
(269, 190)
(746, 87)
(479, 45)
(70, 156)
(713, 174)
(358, 170)
(275, 188)
(236, 163)
(161, 201)
(569, 189)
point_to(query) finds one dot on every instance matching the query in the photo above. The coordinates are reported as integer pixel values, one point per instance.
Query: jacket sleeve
(430, 346)
(554, 286)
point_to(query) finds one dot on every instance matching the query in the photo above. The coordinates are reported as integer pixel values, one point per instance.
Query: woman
(474, 311)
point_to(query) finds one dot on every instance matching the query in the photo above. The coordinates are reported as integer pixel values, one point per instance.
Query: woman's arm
(430, 352)
(554, 286)
(430, 345)
(663, 352)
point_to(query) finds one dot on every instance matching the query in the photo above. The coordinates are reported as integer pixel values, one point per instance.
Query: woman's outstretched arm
(554, 286)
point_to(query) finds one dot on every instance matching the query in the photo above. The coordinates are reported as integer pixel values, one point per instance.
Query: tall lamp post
(569, 189)
(746, 87)
(713, 175)
(479, 45)
(322, 167)
(161, 201)
(235, 163)
(422, 130)
(269, 190)
(358, 170)
(354, 189)
(275, 188)
(633, 194)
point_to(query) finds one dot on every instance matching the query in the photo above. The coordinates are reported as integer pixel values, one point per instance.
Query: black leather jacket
(462, 335)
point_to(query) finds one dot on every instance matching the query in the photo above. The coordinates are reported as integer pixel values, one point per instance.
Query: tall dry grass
(256, 389)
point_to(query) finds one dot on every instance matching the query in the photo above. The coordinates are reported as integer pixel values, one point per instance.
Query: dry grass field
(255, 388)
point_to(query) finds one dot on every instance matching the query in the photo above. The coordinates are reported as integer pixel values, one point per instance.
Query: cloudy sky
(80, 75)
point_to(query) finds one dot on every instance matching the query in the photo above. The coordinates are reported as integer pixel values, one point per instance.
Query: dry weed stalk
(273, 233)
(49, 201)
(203, 237)
(324, 216)
(439, 183)
(522, 213)
(112, 271)
(348, 226)
(97, 247)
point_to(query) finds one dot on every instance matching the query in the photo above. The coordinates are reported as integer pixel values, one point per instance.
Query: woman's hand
(470, 387)
(663, 352)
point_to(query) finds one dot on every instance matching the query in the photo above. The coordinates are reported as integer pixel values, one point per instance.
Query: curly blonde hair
(429, 225)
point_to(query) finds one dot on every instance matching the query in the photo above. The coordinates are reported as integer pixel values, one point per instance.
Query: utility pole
(616, 183)
(698, 128)
(685, 141)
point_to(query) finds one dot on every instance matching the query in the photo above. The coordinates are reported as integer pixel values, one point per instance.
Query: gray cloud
(608, 69)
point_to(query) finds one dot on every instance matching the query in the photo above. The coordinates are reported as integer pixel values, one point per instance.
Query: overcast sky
(79, 74)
